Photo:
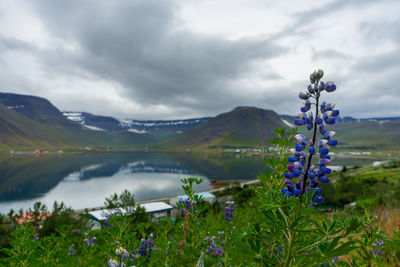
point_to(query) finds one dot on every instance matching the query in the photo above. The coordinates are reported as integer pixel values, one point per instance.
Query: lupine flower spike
(228, 208)
(301, 166)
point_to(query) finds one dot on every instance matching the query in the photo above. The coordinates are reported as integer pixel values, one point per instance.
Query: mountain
(243, 126)
(369, 134)
(104, 123)
(94, 122)
(30, 122)
(163, 125)
(37, 109)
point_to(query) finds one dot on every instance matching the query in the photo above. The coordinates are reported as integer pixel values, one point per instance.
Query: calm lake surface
(85, 180)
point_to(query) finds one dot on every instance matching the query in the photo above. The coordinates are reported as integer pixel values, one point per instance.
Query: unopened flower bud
(304, 96)
(321, 86)
(311, 89)
(319, 74)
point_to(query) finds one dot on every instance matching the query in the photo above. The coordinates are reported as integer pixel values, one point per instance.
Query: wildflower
(87, 242)
(228, 208)
(330, 87)
(146, 248)
(36, 237)
(94, 239)
(122, 253)
(113, 263)
(325, 115)
(185, 204)
(108, 216)
(276, 251)
(213, 248)
(71, 251)
(377, 245)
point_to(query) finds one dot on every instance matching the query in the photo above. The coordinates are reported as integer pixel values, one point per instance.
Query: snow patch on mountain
(288, 123)
(75, 116)
(137, 131)
(94, 128)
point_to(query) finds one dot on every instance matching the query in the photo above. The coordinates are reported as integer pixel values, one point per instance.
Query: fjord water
(85, 180)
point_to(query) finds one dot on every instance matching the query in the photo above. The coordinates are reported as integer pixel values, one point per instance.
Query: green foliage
(267, 229)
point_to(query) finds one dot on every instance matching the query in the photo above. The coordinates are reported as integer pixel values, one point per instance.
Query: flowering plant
(289, 224)
(302, 165)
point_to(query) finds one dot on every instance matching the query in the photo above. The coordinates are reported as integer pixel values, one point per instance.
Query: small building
(335, 168)
(157, 210)
(376, 164)
(101, 215)
(207, 196)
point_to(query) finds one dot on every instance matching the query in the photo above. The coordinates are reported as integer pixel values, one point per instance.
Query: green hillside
(241, 127)
(18, 132)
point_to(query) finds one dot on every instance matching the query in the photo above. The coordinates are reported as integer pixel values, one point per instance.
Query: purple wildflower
(36, 237)
(87, 242)
(146, 248)
(301, 164)
(185, 204)
(378, 245)
(108, 216)
(213, 248)
(113, 263)
(71, 251)
(228, 208)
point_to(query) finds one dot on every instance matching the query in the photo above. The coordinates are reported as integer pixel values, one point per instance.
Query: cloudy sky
(164, 59)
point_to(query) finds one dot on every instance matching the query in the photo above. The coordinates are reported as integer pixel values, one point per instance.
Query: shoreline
(242, 183)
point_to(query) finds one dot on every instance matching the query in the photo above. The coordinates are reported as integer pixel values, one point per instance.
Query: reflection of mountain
(110, 169)
(27, 176)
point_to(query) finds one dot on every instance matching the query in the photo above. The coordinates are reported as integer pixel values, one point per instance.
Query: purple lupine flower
(276, 251)
(185, 204)
(36, 237)
(330, 87)
(302, 165)
(228, 208)
(304, 96)
(334, 260)
(213, 248)
(378, 245)
(71, 251)
(108, 216)
(113, 263)
(94, 239)
(87, 242)
(146, 248)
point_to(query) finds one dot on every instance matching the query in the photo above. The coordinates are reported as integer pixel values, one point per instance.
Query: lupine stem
(309, 160)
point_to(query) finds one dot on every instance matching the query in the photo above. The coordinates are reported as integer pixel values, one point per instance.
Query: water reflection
(84, 180)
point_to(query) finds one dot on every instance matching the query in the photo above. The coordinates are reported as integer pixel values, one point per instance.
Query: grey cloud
(138, 44)
(14, 44)
(327, 54)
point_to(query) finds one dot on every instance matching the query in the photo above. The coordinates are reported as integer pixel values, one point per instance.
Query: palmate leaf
(271, 222)
(254, 245)
(353, 225)
(239, 236)
(344, 249)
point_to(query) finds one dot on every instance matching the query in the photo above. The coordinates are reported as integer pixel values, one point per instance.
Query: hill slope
(29, 122)
(243, 126)
(37, 109)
